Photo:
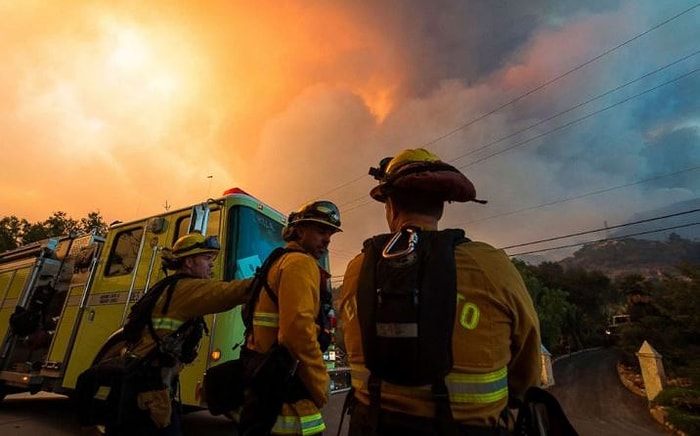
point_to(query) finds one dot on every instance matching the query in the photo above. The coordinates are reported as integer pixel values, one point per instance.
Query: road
(586, 385)
(588, 388)
(53, 415)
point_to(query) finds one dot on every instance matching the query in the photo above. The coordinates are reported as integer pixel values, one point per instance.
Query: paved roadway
(586, 385)
(597, 404)
(53, 415)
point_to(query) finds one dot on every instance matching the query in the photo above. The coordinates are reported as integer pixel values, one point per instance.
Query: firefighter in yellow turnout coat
(296, 280)
(193, 296)
(495, 339)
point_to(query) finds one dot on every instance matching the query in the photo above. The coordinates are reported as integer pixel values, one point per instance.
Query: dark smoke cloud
(122, 107)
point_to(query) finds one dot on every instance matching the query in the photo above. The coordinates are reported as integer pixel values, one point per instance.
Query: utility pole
(210, 177)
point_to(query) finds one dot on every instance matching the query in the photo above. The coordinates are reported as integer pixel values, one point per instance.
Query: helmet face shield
(327, 211)
(195, 243)
(324, 212)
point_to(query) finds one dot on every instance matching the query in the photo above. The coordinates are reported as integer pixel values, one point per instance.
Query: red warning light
(233, 191)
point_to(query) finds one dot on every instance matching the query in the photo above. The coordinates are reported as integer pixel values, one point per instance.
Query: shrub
(682, 407)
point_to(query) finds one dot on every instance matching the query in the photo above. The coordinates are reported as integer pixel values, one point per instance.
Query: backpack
(406, 304)
(106, 392)
(542, 415)
(270, 376)
(181, 344)
(224, 383)
(260, 282)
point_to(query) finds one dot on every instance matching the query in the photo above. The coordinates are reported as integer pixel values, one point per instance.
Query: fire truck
(63, 301)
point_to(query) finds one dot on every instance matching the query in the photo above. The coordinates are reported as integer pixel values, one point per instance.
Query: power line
(561, 76)
(363, 200)
(571, 235)
(606, 239)
(343, 253)
(578, 197)
(538, 88)
(340, 278)
(350, 182)
(577, 106)
(577, 120)
(558, 128)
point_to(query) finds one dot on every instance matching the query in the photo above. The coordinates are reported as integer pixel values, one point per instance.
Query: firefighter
(194, 294)
(495, 341)
(288, 316)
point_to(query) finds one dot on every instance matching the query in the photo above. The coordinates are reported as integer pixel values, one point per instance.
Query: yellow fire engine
(63, 301)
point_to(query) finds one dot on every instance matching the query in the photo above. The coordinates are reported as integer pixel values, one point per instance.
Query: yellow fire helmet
(194, 243)
(323, 211)
(420, 170)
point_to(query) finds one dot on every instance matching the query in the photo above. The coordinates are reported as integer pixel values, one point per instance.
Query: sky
(567, 115)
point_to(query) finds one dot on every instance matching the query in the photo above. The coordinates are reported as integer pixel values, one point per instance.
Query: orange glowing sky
(123, 106)
(127, 104)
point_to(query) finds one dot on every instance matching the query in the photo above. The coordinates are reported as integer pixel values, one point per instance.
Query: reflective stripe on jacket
(463, 388)
(300, 418)
(295, 278)
(495, 340)
(192, 298)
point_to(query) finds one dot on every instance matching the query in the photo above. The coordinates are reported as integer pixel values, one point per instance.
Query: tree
(94, 223)
(59, 223)
(35, 232)
(638, 294)
(679, 304)
(573, 326)
(15, 232)
(551, 306)
(11, 231)
(590, 292)
(664, 313)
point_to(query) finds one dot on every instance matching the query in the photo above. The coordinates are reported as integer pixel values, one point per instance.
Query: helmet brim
(194, 252)
(446, 184)
(319, 221)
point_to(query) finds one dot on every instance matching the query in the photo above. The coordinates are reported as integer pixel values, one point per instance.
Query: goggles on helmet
(209, 243)
(324, 212)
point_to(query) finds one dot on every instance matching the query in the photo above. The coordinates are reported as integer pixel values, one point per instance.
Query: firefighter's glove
(158, 405)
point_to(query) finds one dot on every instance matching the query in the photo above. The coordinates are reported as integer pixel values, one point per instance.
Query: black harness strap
(374, 386)
(192, 322)
(434, 285)
(260, 282)
(270, 294)
(170, 289)
(348, 406)
(443, 411)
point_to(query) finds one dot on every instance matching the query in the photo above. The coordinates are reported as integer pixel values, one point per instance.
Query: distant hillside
(680, 223)
(679, 215)
(626, 256)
